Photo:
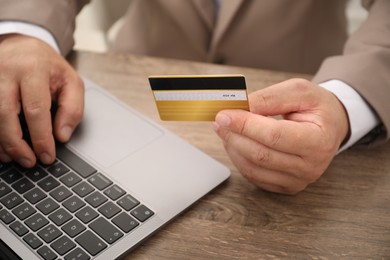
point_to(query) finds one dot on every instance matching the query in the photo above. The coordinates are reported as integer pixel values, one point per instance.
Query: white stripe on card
(200, 95)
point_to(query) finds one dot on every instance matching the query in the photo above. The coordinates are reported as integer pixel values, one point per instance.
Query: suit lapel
(226, 14)
(206, 10)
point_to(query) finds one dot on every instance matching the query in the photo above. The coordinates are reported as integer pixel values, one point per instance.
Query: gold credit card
(198, 97)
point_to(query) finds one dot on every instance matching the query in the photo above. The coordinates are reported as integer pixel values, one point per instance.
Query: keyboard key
(48, 165)
(4, 189)
(4, 166)
(36, 222)
(100, 181)
(142, 213)
(70, 179)
(106, 230)
(60, 216)
(23, 211)
(128, 202)
(83, 189)
(46, 253)
(11, 176)
(58, 169)
(35, 195)
(77, 254)
(73, 204)
(47, 206)
(109, 209)
(73, 161)
(96, 199)
(36, 174)
(125, 222)
(20, 168)
(114, 192)
(23, 185)
(11, 200)
(63, 245)
(33, 241)
(19, 228)
(6, 216)
(49, 233)
(91, 243)
(48, 183)
(60, 193)
(73, 228)
(87, 214)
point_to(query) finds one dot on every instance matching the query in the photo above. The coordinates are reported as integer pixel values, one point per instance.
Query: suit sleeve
(365, 65)
(56, 16)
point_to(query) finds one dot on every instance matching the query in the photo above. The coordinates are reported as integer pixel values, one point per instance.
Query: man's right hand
(32, 75)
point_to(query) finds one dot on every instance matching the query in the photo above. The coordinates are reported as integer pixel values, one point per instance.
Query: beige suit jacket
(307, 36)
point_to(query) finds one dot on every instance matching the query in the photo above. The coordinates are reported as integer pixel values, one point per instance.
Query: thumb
(286, 97)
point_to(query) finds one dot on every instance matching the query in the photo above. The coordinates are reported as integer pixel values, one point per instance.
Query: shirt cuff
(362, 119)
(28, 29)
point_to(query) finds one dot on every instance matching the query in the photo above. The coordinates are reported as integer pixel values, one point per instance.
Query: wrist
(345, 127)
(361, 118)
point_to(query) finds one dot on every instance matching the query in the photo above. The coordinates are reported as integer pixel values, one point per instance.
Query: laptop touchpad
(110, 131)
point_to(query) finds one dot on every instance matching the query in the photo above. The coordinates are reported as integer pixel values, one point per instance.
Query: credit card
(198, 97)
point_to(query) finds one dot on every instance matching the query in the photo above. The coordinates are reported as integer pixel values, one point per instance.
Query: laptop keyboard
(68, 209)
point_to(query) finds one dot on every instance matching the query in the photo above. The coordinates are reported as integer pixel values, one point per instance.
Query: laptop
(120, 179)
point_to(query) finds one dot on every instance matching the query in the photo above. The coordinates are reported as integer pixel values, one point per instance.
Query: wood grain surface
(344, 215)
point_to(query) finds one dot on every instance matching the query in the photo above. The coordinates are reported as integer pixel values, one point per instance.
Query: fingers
(70, 108)
(33, 74)
(270, 180)
(284, 155)
(284, 98)
(281, 135)
(36, 100)
(4, 157)
(263, 156)
(11, 136)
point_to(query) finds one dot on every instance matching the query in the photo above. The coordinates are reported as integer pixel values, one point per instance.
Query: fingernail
(27, 163)
(223, 120)
(215, 126)
(45, 158)
(66, 132)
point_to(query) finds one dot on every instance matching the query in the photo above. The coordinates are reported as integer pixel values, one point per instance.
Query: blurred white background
(98, 22)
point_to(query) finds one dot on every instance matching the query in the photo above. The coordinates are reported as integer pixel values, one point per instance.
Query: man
(299, 36)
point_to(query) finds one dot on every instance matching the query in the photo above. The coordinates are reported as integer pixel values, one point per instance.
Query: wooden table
(346, 214)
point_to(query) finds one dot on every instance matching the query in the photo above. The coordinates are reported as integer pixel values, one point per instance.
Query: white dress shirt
(7, 27)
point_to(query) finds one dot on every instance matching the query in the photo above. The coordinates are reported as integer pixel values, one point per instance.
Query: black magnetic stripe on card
(197, 83)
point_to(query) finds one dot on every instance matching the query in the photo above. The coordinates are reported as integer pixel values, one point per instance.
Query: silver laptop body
(160, 170)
